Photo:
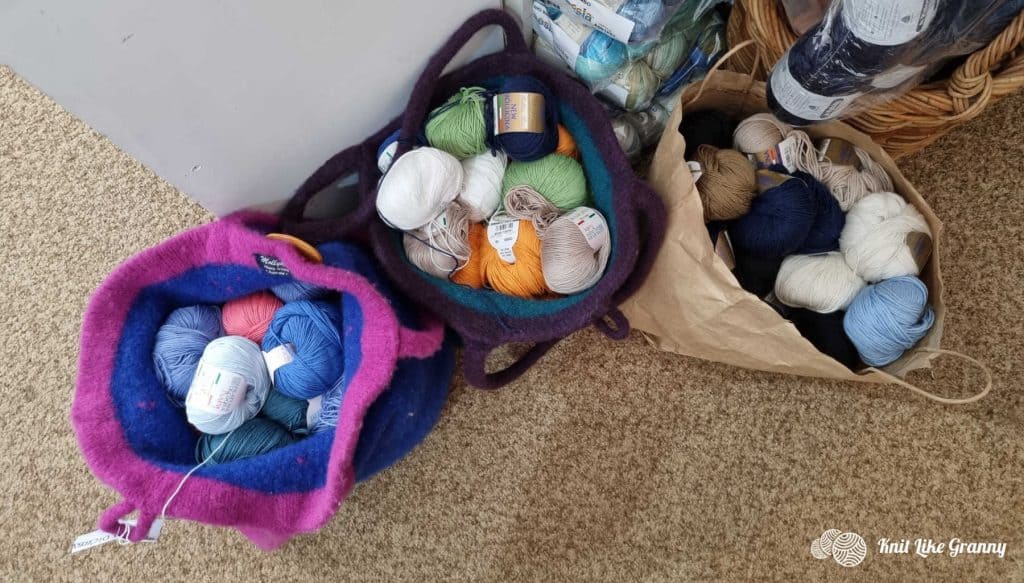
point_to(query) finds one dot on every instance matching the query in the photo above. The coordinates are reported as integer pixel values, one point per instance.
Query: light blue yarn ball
(888, 318)
(646, 14)
(600, 57)
(314, 329)
(179, 345)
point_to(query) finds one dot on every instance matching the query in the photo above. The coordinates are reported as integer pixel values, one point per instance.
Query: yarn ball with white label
(215, 404)
(418, 187)
(880, 230)
(821, 283)
(481, 185)
(314, 332)
(570, 262)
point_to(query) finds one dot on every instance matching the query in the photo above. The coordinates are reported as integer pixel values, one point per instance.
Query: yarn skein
(779, 220)
(481, 187)
(298, 290)
(825, 332)
(727, 183)
(471, 274)
(848, 183)
(442, 246)
(179, 345)
(523, 276)
(249, 316)
(557, 178)
(566, 143)
(668, 54)
(523, 202)
(575, 251)
(254, 437)
(230, 385)
(418, 188)
(885, 237)
(524, 145)
(755, 274)
(761, 132)
(828, 221)
(458, 126)
(632, 87)
(821, 283)
(627, 136)
(285, 411)
(313, 329)
(888, 318)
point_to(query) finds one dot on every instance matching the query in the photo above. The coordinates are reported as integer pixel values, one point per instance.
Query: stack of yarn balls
(504, 210)
(256, 374)
(842, 267)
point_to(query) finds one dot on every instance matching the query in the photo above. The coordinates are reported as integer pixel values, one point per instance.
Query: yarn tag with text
(839, 152)
(271, 265)
(920, 245)
(887, 22)
(786, 153)
(767, 179)
(801, 102)
(215, 390)
(101, 537)
(565, 38)
(278, 356)
(591, 224)
(518, 112)
(696, 169)
(602, 15)
(502, 233)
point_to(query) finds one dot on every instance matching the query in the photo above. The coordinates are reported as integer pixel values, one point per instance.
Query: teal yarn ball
(313, 329)
(179, 345)
(600, 57)
(254, 437)
(888, 318)
(557, 178)
(288, 412)
(458, 127)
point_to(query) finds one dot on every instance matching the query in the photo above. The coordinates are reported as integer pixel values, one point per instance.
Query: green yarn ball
(633, 86)
(458, 127)
(556, 177)
(668, 54)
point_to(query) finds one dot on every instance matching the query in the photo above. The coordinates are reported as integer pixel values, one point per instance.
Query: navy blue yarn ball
(829, 219)
(526, 146)
(778, 223)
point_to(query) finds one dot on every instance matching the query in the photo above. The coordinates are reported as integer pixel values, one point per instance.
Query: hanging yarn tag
(591, 224)
(786, 153)
(215, 390)
(565, 37)
(920, 245)
(502, 233)
(696, 169)
(101, 537)
(518, 112)
(278, 356)
(602, 15)
(839, 152)
(801, 102)
(767, 179)
(888, 22)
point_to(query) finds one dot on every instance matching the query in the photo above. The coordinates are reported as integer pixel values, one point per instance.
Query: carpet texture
(607, 462)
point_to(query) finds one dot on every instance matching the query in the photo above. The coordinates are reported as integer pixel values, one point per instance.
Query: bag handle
(347, 162)
(416, 111)
(474, 365)
(718, 65)
(945, 400)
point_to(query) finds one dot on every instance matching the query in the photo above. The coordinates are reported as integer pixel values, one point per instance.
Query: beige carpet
(607, 462)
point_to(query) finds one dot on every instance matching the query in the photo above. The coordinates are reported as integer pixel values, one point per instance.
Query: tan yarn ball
(727, 184)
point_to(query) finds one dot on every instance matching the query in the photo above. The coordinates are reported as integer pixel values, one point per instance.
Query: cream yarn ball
(875, 237)
(418, 188)
(821, 283)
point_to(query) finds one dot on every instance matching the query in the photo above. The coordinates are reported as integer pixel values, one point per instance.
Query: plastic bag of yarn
(591, 54)
(634, 21)
(397, 371)
(484, 318)
(692, 303)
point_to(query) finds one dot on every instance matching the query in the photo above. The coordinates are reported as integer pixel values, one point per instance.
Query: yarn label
(592, 225)
(920, 245)
(801, 102)
(215, 390)
(101, 537)
(602, 15)
(565, 37)
(696, 170)
(271, 265)
(502, 233)
(518, 112)
(839, 152)
(278, 357)
(786, 153)
(616, 89)
(888, 23)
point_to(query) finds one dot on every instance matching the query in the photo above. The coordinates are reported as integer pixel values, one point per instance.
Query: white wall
(233, 102)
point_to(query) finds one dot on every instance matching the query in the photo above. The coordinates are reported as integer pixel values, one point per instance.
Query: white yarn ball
(481, 187)
(418, 187)
(230, 385)
(821, 283)
(570, 263)
(874, 239)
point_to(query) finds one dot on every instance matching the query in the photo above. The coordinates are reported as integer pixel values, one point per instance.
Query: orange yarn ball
(566, 145)
(471, 273)
(525, 277)
(250, 316)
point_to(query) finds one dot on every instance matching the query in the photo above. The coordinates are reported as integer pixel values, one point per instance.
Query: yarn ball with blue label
(888, 318)
(312, 331)
(599, 58)
(524, 143)
(230, 385)
(179, 345)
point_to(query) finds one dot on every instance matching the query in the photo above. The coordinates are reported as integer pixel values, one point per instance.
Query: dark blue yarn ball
(755, 274)
(829, 219)
(779, 220)
(825, 332)
(526, 146)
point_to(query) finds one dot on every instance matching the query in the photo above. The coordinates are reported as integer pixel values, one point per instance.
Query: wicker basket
(910, 122)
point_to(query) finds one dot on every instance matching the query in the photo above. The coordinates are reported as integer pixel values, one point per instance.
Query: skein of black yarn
(706, 126)
(756, 275)
(825, 332)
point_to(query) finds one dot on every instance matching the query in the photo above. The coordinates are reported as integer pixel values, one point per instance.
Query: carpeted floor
(607, 462)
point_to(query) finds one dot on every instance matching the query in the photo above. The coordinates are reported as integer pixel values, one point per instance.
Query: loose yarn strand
(181, 484)
(523, 202)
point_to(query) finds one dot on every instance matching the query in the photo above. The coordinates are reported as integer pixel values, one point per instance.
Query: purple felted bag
(486, 319)
(398, 368)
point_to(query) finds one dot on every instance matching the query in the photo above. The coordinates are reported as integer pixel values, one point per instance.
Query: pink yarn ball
(250, 316)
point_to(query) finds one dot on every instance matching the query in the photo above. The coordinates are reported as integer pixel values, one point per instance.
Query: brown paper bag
(691, 304)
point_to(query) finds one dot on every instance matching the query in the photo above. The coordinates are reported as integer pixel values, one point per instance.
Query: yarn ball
(706, 126)
(633, 86)
(882, 236)
(848, 183)
(254, 437)
(230, 385)
(313, 329)
(779, 220)
(566, 143)
(481, 185)
(575, 251)
(821, 283)
(557, 178)
(250, 315)
(649, 123)
(522, 145)
(727, 183)
(523, 202)
(386, 151)
(669, 53)
(888, 318)
(759, 133)
(418, 188)
(472, 274)
(756, 274)
(646, 15)
(458, 126)
(640, 50)
(179, 345)
(523, 278)
(298, 290)
(828, 221)
(825, 332)
(442, 246)
(628, 137)
(285, 411)
(600, 57)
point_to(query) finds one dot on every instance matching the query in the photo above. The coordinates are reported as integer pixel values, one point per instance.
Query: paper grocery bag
(691, 304)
